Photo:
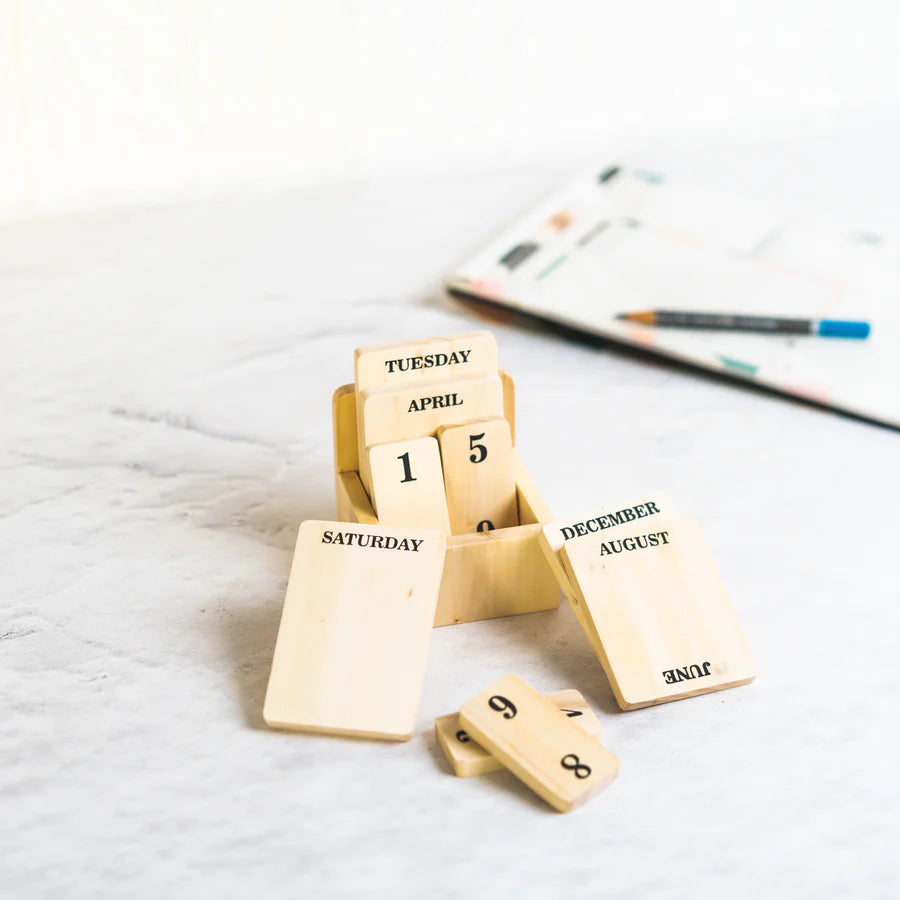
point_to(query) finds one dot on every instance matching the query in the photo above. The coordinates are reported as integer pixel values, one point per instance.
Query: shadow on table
(250, 626)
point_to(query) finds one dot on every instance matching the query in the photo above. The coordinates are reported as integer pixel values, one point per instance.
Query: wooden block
(656, 612)
(549, 752)
(408, 484)
(478, 475)
(495, 573)
(437, 358)
(418, 410)
(357, 618)
(467, 757)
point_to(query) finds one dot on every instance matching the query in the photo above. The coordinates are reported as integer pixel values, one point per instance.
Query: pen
(665, 318)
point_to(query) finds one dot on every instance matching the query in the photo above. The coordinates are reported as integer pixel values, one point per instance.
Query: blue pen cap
(837, 328)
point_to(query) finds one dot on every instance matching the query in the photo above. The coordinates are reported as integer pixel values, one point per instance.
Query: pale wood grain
(478, 475)
(436, 358)
(558, 760)
(350, 653)
(499, 573)
(654, 610)
(395, 414)
(468, 758)
(415, 502)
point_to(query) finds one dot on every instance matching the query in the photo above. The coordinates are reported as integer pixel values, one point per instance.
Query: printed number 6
(475, 457)
(500, 704)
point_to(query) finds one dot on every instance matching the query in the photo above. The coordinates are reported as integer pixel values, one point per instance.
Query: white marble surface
(166, 377)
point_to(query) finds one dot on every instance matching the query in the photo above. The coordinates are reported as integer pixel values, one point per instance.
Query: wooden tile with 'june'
(354, 633)
(655, 611)
(547, 751)
(468, 758)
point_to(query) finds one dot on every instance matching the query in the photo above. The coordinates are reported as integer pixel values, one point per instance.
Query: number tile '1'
(558, 760)
(478, 475)
(408, 484)
(468, 758)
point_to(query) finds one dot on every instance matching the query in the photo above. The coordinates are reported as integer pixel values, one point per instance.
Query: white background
(166, 370)
(102, 100)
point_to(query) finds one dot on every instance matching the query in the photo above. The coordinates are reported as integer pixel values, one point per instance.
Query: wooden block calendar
(354, 633)
(646, 591)
(497, 570)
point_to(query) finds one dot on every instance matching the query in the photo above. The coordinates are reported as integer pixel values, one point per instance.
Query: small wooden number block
(548, 752)
(417, 410)
(408, 484)
(350, 653)
(467, 758)
(656, 612)
(439, 358)
(478, 475)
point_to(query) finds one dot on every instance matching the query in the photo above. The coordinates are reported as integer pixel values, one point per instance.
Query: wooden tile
(656, 612)
(357, 618)
(602, 519)
(467, 757)
(495, 573)
(437, 358)
(548, 752)
(408, 484)
(478, 475)
(598, 519)
(418, 410)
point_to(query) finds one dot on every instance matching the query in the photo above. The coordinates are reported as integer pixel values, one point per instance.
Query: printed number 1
(481, 456)
(406, 470)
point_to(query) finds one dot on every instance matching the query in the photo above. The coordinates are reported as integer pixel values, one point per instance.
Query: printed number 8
(571, 762)
(482, 450)
(500, 704)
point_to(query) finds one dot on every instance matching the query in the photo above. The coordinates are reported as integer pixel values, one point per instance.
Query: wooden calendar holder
(487, 574)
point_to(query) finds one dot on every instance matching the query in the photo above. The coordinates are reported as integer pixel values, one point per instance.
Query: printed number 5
(482, 450)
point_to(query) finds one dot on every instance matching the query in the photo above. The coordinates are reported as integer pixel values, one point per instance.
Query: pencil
(666, 318)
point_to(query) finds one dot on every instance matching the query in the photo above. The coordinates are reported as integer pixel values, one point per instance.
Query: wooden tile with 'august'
(354, 633)
(468, 758)
(547, 751)
(656, 612)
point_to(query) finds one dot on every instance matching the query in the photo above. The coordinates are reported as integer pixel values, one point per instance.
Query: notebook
(623, 239)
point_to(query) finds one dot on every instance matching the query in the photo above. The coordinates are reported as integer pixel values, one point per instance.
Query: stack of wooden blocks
(439, 523)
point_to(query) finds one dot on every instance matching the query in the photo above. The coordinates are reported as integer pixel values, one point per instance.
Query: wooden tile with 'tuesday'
(357, 619)
(558, 760)
(436, 358)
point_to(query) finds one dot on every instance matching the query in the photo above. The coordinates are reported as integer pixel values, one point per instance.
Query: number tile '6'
(547, 751)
